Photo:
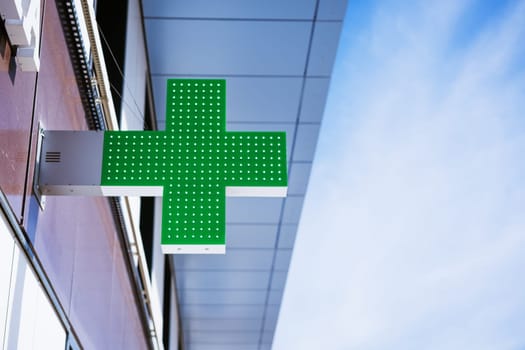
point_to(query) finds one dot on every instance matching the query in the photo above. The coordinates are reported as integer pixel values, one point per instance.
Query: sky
(413, 228)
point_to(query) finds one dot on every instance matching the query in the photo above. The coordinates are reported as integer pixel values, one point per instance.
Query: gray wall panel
(227, 47)
(276, 9)
(324, 48)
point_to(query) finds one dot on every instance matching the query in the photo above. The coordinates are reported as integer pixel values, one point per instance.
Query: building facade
(88, 272)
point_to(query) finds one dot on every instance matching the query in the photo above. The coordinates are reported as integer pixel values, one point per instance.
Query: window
(112, 18)
(147, 211)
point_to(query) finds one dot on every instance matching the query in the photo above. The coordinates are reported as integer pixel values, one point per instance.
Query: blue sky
(413, 229)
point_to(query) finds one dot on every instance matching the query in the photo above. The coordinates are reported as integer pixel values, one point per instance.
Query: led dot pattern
(194, 160)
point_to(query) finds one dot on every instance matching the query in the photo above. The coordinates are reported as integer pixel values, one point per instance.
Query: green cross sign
(197, 163)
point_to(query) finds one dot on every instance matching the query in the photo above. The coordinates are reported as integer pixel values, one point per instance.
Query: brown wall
(75, 237)
(16, 103)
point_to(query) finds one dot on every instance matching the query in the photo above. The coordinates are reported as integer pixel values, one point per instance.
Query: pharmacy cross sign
(197, 163)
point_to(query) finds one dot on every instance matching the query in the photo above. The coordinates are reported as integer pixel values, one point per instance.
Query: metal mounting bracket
(40, 198)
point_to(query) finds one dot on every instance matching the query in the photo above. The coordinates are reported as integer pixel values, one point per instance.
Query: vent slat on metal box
(53, 157)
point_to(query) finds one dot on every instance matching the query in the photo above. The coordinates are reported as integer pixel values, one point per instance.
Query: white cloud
(413, 232)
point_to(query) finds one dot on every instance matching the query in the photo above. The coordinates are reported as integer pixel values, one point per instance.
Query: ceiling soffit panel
(235, 259)
(282, 259)
(263, 100)
(221, 324)
(223, 337)
(324, 48)
(231, 9)
(278, 279)
(229, 346)
(305, 142)
(275, 296)
(252, 210)
(222, 280)
(299, 174)
(314, 100)
(287, 235)
(251, 236)
(217, 311)
(331, 10)
(292, 210)
(223, 297)
(227, 48)
(261, 48)
(251, 99)
(270, 320)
